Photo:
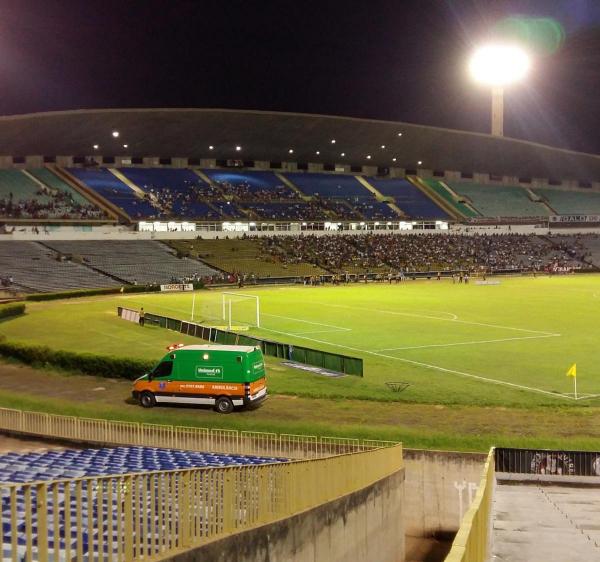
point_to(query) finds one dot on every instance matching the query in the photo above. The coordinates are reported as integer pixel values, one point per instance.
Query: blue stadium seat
(409, 198)
(328, 185)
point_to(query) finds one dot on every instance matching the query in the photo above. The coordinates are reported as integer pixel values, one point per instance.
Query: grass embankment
(466, 428)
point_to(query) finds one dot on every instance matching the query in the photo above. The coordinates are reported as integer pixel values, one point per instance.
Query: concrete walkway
(541, 522)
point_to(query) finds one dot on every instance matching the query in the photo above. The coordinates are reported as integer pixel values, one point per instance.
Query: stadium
(417, 305)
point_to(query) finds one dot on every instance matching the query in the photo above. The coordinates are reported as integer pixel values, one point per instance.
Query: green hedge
(88, 363)
(92, 292)
(12, 309)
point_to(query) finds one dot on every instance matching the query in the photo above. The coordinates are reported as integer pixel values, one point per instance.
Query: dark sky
(397, 60)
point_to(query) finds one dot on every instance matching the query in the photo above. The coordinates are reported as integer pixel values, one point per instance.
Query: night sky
(396, 60)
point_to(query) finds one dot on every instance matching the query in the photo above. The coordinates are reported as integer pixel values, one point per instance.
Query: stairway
(380, 197)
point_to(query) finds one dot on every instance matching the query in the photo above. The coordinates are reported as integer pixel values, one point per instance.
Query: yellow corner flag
(572, 372)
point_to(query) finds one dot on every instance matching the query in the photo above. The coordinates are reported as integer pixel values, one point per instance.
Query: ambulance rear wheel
(147, 400)
(224, 405)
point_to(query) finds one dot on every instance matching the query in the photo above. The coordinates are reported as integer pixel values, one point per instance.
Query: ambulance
(223, 376)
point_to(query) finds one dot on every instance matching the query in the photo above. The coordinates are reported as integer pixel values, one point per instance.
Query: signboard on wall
(177, 287)
(574, 218)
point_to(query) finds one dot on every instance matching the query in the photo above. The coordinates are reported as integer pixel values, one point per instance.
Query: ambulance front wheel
(224, 405)
(147, 400)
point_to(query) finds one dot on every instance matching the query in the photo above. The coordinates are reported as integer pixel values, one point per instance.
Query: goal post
(240, 309)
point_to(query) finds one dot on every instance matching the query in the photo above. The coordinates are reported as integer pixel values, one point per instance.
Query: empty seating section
(571, 202)
(328, 185)
(35, 268)
(114, 190)
(409, 198)
(249, 184)
(93, 463)
(179, 192)
(437, 186)
(142, 262)
(78, 463)
(500, 200)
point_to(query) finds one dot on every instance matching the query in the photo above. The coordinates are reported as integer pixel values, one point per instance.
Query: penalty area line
(338, 328)
(469, 322)
(468, 342)
(430, 366)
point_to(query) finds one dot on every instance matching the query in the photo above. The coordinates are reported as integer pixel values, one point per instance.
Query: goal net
(228, 311)
(240, 310)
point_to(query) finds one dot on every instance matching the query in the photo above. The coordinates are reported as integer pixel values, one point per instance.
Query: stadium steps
(536, 198)
(215, 186)
(380, 197)
(177, 246)
(91, 267)
(110, 208)
(293, 187)
(442, 190)
(350, 208)
(137, 190)
(42, 185)
(46, 177)
(444, 204)
(205, 178)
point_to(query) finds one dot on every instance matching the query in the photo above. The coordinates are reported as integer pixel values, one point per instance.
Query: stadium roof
(271, 136)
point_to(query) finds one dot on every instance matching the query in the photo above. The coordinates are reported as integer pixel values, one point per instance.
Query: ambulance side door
(163, 380)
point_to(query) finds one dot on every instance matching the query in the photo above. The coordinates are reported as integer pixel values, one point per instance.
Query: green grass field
(509, 344)
(491, 358)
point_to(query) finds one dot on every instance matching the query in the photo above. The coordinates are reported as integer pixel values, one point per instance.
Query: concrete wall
(366, 526)
(440, 486)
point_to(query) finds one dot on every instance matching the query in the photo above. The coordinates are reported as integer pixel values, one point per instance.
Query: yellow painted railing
(472, 541)
(92, 430)
(149, 515)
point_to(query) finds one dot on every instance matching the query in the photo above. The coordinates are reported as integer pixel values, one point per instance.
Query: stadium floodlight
(368, 157)
(383, 147)
(115, 134)
(238, 148)
(96, 147)
(343, 154)
(420, 162)
(394, 159)
(499, 66)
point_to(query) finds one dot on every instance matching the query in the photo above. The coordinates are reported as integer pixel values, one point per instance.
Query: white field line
(430, 366)
(362, 309)
(586, 396)
(340, 328)
(321, 331)
(468, 342)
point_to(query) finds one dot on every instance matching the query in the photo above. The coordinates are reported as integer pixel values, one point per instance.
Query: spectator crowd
(48, 205)
(424, 252)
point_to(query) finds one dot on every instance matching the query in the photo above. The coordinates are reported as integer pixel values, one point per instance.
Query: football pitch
(520, 336)
(506, 344)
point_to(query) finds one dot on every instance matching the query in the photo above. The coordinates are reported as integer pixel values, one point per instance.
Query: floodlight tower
(498, 66)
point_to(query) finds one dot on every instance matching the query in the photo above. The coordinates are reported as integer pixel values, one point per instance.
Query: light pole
(498, 66)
